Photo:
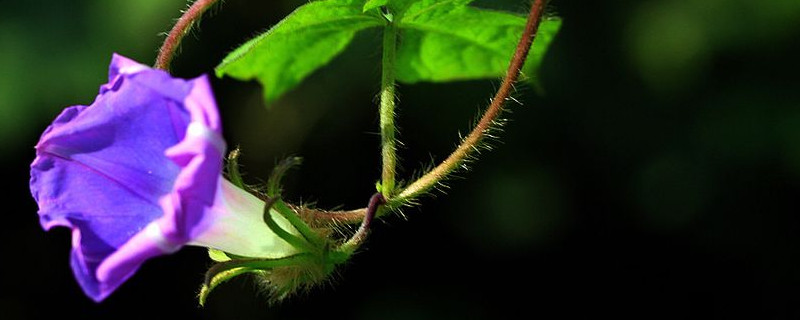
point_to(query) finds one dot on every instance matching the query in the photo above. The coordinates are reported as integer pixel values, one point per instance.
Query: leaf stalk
(387, 113)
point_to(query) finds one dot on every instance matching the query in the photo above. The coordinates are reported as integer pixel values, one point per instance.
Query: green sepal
(277, 174)
(227, 270)
(273, 191)
(301, 226)
(232, 168)
(293, 240)
(218, 279)
(218, 255)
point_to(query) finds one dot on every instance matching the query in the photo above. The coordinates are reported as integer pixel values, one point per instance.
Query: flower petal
(243, 233)
(103, 171)
(199, 157)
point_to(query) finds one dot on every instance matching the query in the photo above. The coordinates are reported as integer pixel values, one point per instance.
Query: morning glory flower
(137, 174)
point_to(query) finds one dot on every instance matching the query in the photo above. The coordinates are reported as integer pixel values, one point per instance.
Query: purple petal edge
(101, 264)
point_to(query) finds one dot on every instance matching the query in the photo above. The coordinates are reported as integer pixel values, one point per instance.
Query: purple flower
(137, 174)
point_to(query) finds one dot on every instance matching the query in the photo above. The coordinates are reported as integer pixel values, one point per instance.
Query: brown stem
(320, 217)
(185, 22)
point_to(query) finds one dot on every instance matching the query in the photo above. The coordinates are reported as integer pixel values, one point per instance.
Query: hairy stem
(470, 144)
(321, 217)
(181, 27)
(388, 148)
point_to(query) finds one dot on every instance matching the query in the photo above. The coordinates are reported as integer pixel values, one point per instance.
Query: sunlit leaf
(448, 40)
(304, 41)
(439, 40)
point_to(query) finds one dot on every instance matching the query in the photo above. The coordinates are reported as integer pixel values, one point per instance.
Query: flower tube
(137, 174)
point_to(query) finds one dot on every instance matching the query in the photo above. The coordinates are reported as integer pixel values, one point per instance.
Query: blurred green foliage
(673, 42)
(56, 54)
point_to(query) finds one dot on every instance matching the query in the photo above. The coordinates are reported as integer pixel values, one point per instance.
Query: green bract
(439, 40)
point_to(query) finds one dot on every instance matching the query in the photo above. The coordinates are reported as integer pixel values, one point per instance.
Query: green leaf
(544, 37)
(448, 40)
(421, 6)
(304, 41)
(548, 29)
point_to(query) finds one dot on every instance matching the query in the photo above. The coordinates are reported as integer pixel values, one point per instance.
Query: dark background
(657, 176)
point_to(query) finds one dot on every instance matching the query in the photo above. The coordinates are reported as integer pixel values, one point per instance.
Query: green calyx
(317, 257)
(281, 277)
